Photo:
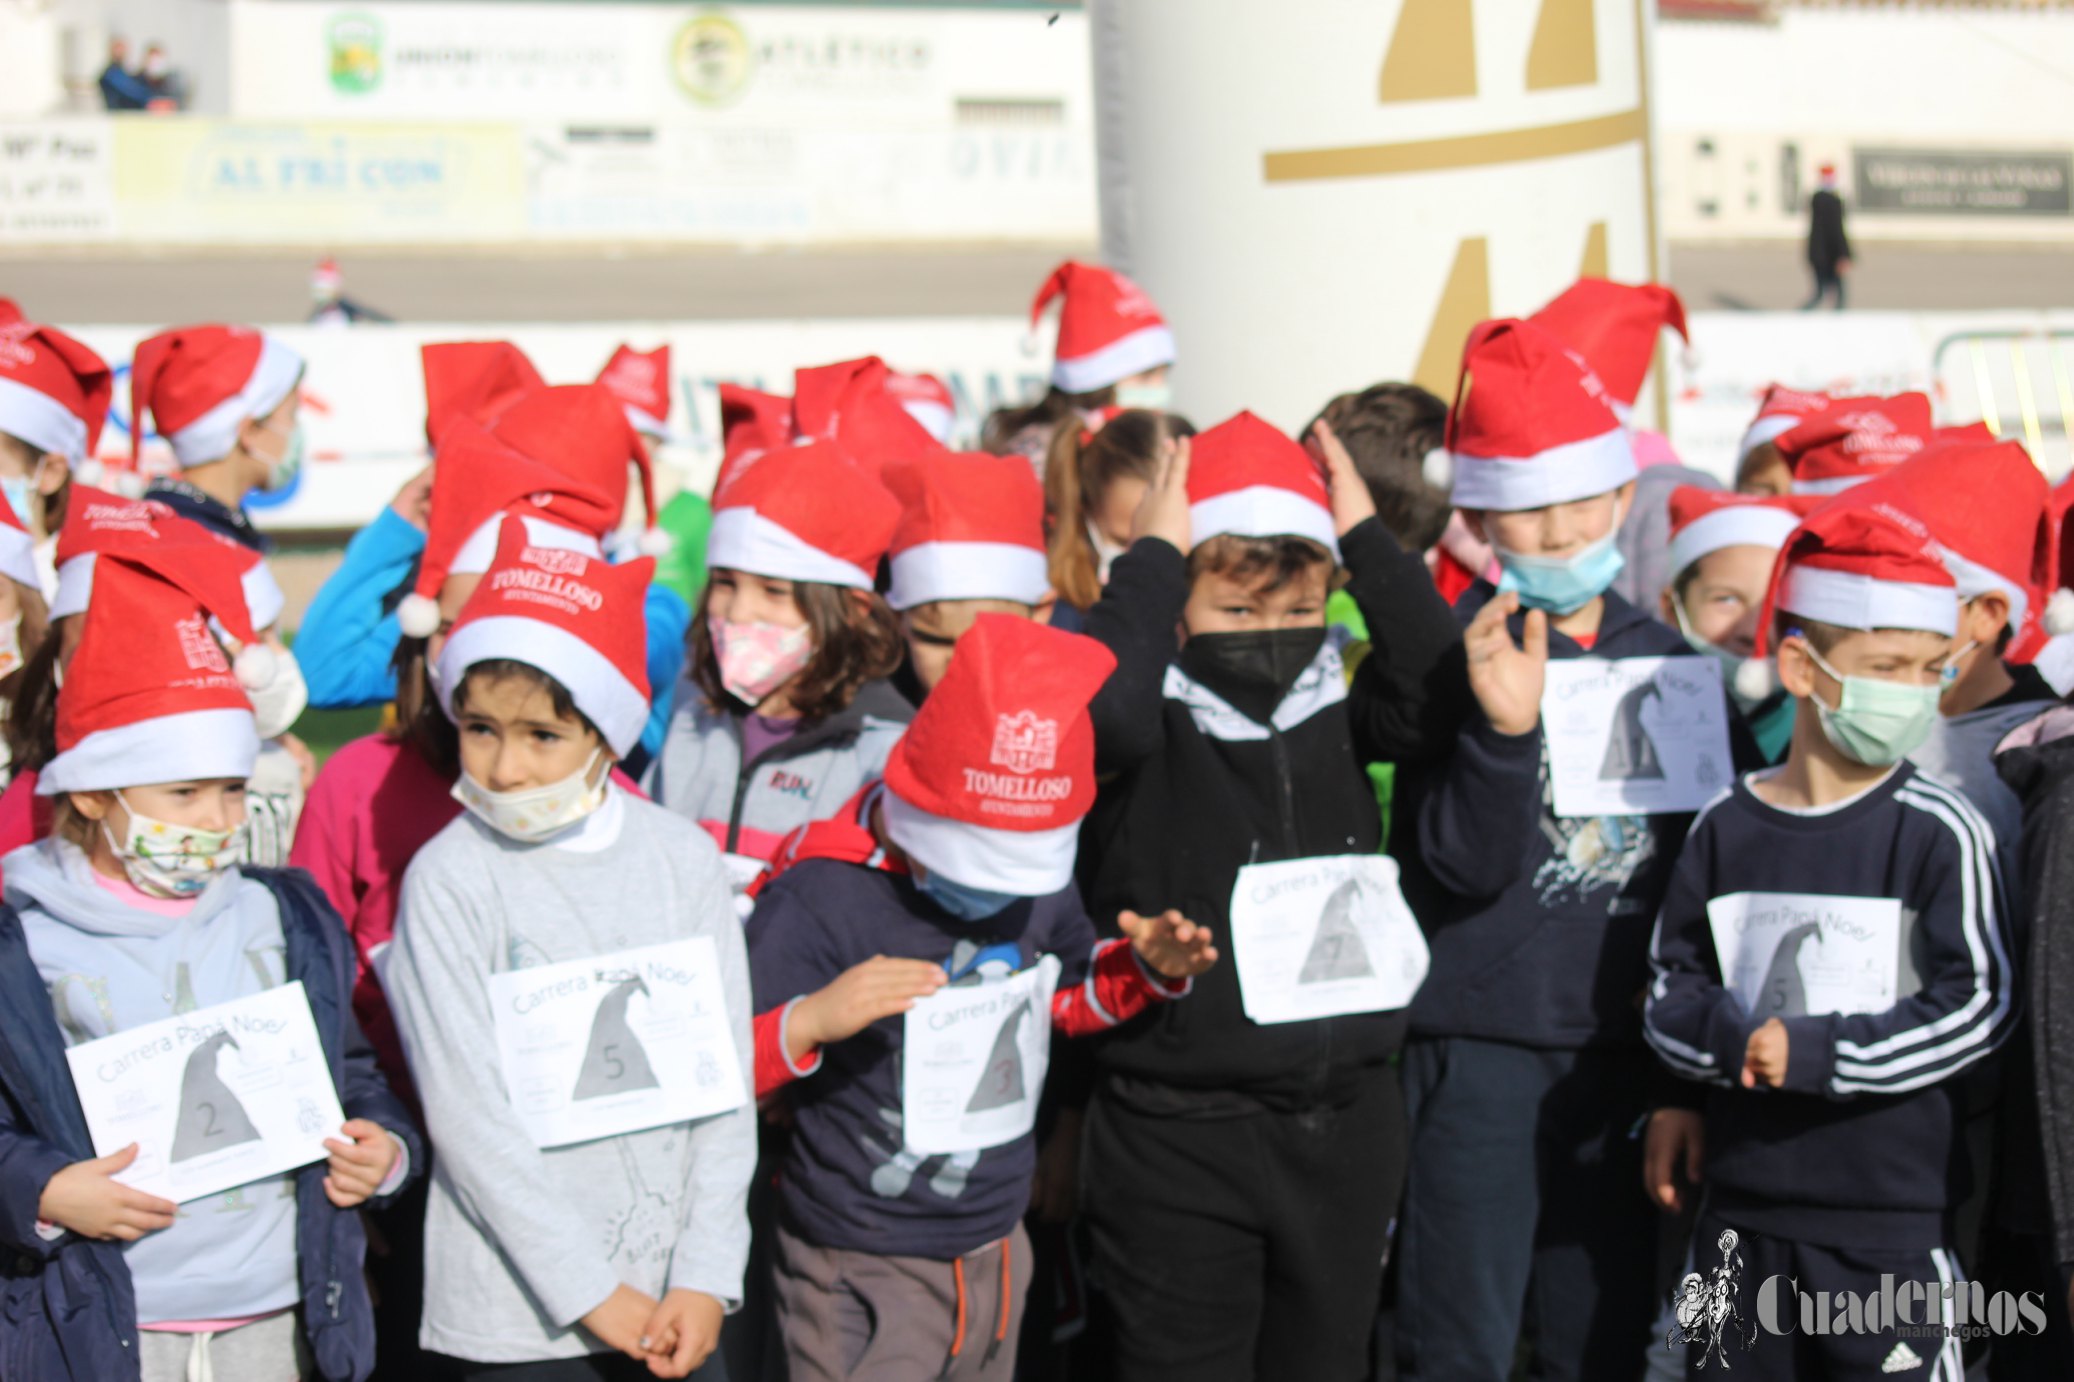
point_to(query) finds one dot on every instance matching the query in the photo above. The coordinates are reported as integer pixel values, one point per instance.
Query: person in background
(1094, 480)
(166, 88)
(122, 89)
(1829, 249)
(1760, 469)
(54, 397)
(329, 305)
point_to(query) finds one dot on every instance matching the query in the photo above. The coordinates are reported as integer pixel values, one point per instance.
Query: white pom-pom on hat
(1438, 468)
(1756, 678)
(654, 542)
(256, 666)
(418, 615)
(2059, 613)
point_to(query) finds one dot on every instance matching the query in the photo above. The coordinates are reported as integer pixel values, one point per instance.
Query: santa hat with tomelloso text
(1985, 506)
(98, 522)
(200, 383)
(1533, 424)
(1778, 412)
(971, 528)
(582, 431)
(1861, 564)
(803, 513)
(1853, 440)
(1248, 480)
(1108, 328)
(640, 380)
(1704, 521)
(54, 391)
(1615, 326)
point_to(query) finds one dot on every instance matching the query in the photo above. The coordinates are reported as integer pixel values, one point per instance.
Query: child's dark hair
(1264, 563)
(31, 727)
(1003, 431)
(497, 669)
(856, 639)
(420, 724)
(1077, 472)
(1387, 430)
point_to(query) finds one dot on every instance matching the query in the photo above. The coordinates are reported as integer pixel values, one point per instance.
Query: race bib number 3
(973, 1059)
(1797, 955)
(637, 1039)
(1322, 937)
(214, 1099)
(1638, 736)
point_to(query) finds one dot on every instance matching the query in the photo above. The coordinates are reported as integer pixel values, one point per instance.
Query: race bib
(615, 1044)
(973, 1062)
(215, 1098)
(1323, 937)
(1797, 955)
(1635, 737)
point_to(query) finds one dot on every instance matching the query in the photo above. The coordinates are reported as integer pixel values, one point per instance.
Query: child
(539, 1247)
(1239, 1176)
(24, 620)
(1094, 480)
(786, 712)
(900, 1250)
(970, 542)
(1829, 1041)
(1760, 469)
(1853, 440)
(54, 396)
(106, 929)
(1722, 550)
(1113, 350)
(1526, 1070)
(1390, 430)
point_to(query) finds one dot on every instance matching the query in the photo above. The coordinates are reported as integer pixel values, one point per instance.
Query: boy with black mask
(1242, 1162)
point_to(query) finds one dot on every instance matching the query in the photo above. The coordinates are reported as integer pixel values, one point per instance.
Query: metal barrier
(2007, 379)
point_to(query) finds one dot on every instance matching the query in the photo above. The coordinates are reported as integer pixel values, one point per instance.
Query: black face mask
(1253, 671)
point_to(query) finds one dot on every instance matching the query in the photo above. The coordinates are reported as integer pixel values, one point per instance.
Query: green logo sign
(356, 53)
(711, 59)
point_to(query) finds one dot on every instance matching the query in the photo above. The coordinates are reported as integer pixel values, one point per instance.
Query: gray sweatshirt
(521, 1243)
(110, 966)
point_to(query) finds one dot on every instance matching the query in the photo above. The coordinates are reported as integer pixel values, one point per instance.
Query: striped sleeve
(1689, 1018)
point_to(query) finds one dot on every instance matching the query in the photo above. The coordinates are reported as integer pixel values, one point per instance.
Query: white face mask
(1153, 398)
(167, 859)
(534, 813)
(277, 706)
(1106, 553)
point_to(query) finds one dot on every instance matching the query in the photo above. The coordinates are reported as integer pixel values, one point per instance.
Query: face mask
(20, 491)
(1253, 670)
(757, 659)
(1729, 662)
(966, 904)
(288, 464)
(166, 859)
(1106, 552)
(1562, 585)
(276, 707)
(1949, 674)
(1153, 398)
(534, 813)
(1876, 722)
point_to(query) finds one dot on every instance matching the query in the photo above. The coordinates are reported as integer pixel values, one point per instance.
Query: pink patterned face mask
(756, 659)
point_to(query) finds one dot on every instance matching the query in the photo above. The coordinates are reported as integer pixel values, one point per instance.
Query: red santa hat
(641, 382)
(752, 422)
(97, 522)
(326, 279)
(1247, 479)
(1984, 503)
(1707, 520)
(54, 392)
(1974, 433)
(200, 383)
(971, 528)
(928, 401)
(479, 480)
(1853, 440)
(1533, 424)
(17, 550)
(803, 513)
(1861, 564)
(1108, 328)
(989, 784)
(1615, 326)
(149, 696)
(582, 431)
(2056, 619)
(573, 615)
(476, 380)
(1780, 411)
(852, 403)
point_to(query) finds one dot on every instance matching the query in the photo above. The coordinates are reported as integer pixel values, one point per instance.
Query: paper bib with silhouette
(617, 1043)
(1799, 955)
(1321, 937)
(215, 1098)
(1637, 736)
(972, 1061)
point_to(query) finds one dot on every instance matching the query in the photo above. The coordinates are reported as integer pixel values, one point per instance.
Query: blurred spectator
(168, 90)
(1829, 249)
(329, 305)
(122, 89)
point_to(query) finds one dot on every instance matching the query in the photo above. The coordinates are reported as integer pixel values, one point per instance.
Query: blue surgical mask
(21, 497)
(966, 904)
(1948, 675)
(1153, 398)
(1561, 585)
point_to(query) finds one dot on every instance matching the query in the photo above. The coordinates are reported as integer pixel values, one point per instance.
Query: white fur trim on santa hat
(1850, 600)
(1834, 484)
(647, 423)
(2059, 614)
(932, 571)
(187, 747)
(1561, 474)
(2055, 662)
(264, 600)
(18, 558)
(480, 550)
(1027, 863)
(1262, 511)
(936, 419)
(604, 695)
(211, 436)
(1737, 525)
(40, 420)
(1766, 429)
(1148, 347)
(742, 539)
(1973, 579)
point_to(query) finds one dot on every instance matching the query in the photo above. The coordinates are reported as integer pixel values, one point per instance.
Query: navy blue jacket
(67, 1308)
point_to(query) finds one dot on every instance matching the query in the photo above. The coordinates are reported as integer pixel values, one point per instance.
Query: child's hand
(1764, 1060)
(683, 1332)
(1163, 513)
(413, 503)
(1505, 676)
(1170, 944)
(621, 1323)
(360, 1162)
(865, 993)
(86, 1198)
(1674, 1134)
(1351, 501)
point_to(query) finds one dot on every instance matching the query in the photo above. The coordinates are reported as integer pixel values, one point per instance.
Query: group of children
(1294, 863)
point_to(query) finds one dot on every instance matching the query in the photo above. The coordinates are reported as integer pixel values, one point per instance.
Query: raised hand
(1163, 513)
(1351, 501)
(881, 987)
(1170, 944)
(1507, 677)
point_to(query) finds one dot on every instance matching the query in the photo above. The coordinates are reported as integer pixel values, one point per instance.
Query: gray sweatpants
(268, 1350)
(861, 1317)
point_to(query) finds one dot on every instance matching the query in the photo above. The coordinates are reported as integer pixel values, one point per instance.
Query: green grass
(325, 731)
